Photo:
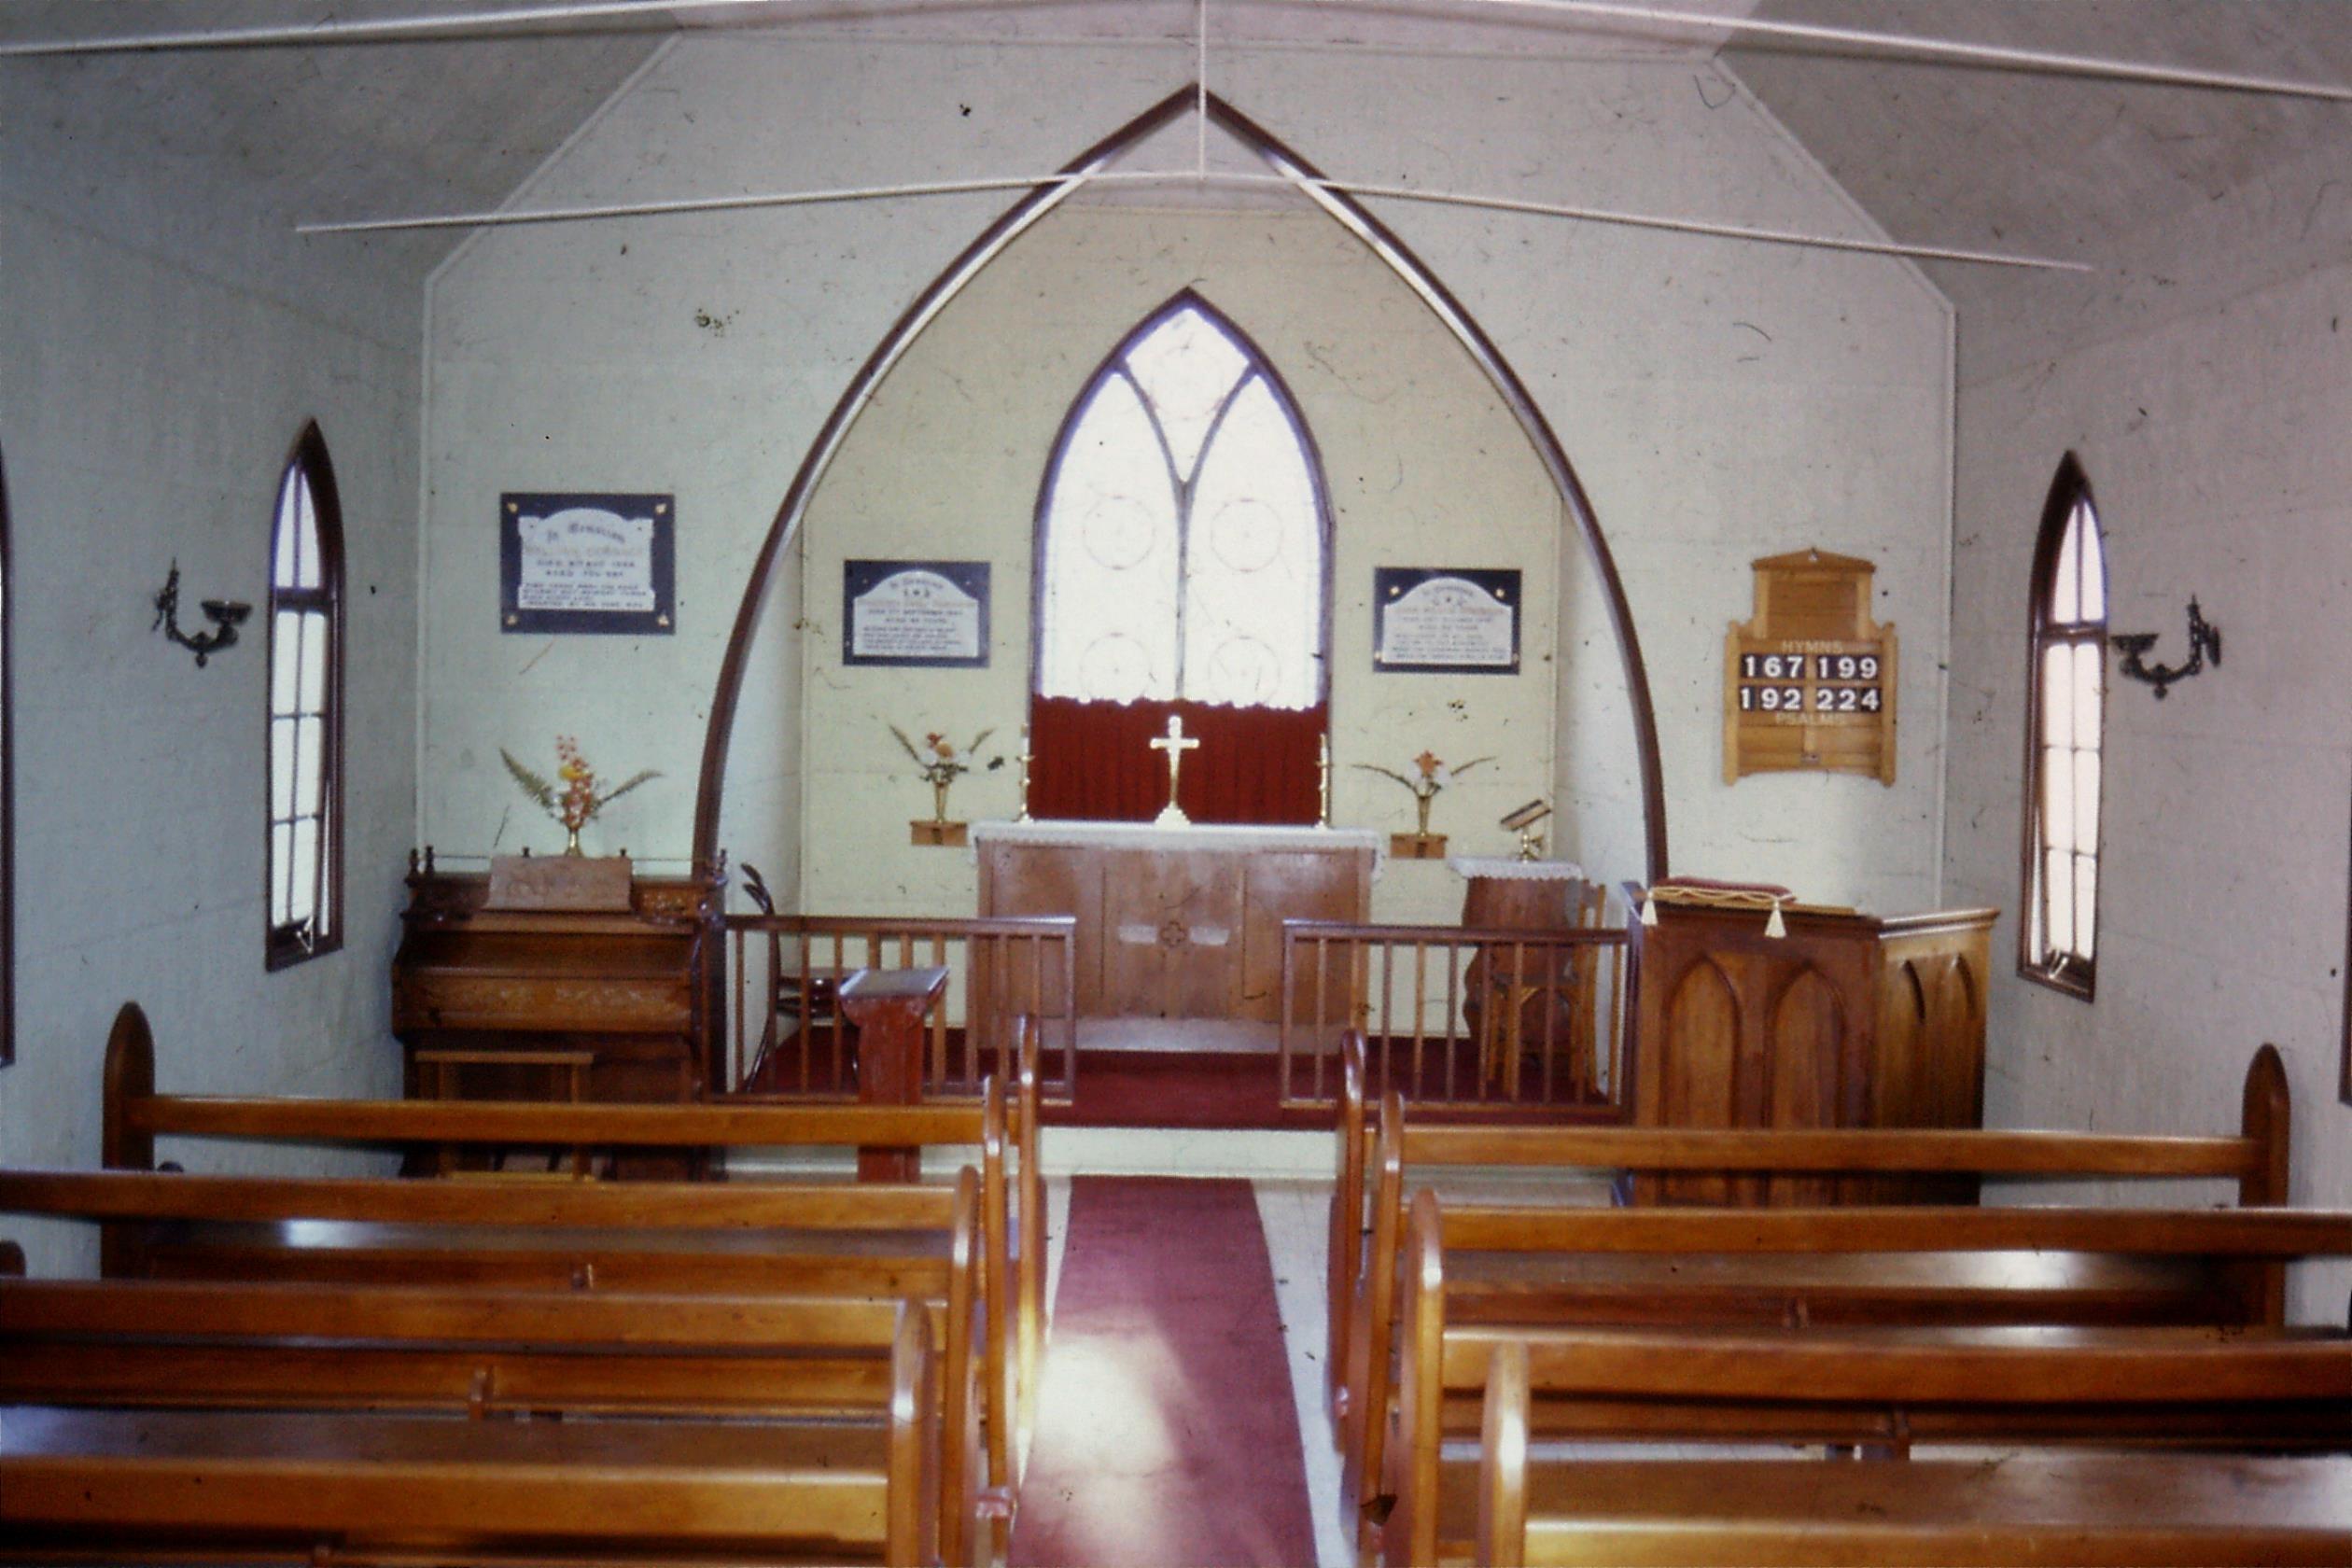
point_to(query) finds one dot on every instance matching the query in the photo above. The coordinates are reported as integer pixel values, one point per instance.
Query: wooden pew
(123, 1486)
(480, 1354)
(2256, 1160)
(2173, 1387)
(1703, 1269)
(2035, 1509)
(1013, 1206)
(856, 1243)
(1373, 1165)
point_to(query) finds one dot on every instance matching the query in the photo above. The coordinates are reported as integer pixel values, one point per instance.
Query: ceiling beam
(595, 212)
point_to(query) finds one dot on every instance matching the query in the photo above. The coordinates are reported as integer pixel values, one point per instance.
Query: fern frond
(978, 738)
(1386, 773)
(635, 779)
(1462, 768)
(533, 785)
(914, 756)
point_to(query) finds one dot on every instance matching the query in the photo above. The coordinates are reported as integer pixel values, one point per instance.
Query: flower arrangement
(578, 801)
(942, 765)
(1430, 776)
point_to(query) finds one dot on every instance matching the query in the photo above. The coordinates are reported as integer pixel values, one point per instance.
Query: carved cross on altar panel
(1175, 744)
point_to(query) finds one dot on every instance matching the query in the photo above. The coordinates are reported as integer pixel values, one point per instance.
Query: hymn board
(1809, 681)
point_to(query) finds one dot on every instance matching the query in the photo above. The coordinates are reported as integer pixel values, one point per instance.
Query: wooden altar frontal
(1176, 922)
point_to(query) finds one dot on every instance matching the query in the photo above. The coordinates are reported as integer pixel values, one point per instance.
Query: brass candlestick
(1024, 760)
(1323, 786)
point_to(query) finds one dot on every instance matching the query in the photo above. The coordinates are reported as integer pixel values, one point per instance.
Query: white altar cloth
(1199, 835)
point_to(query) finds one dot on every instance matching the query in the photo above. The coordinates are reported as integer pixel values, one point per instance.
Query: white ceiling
(2069, 167)
(2062, 166)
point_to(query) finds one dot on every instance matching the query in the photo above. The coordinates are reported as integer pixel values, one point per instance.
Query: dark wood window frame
(2073, 974)
(7, 787)
(292, 944)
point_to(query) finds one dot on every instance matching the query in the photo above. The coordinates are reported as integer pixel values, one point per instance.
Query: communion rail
(1494, 1018)
(789, 1036)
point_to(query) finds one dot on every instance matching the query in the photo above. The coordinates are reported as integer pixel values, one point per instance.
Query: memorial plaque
(587, 562)
(1445, 620)
(922, 614)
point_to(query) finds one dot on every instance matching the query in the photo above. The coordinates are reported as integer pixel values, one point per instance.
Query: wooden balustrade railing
(1457, 1015)
(789, 1036)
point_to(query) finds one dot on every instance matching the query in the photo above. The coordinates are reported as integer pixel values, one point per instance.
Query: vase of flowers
(1428, 780)
(574, 799)
(941, 764)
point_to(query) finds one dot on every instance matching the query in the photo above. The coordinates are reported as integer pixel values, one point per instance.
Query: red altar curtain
(1093, 762)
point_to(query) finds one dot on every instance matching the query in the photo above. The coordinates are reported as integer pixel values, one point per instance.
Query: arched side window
(2066, 721)
(1182, 570)
(305, 776)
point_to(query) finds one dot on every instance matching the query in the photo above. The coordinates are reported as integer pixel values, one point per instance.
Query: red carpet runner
(1166, 1431)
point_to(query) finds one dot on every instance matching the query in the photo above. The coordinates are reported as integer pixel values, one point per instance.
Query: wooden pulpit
(1849, 1020)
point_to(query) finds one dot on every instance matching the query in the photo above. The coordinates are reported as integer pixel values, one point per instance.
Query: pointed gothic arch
(1352, 216)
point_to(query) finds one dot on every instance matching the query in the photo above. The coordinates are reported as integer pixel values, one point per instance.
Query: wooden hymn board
(1809, 681)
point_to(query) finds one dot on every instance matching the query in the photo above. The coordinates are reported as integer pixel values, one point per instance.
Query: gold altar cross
(1175, 744)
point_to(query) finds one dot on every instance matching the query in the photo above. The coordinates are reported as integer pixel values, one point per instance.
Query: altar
(1177, 922)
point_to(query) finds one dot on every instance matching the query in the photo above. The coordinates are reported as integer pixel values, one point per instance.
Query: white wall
(2214, 443)
(1721, 400)
(160, 350)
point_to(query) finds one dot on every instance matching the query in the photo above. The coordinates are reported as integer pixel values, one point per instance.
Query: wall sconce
(226, 615)
(2203, 639)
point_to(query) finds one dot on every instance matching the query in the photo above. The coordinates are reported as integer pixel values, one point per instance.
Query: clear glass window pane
(1253, 568)
(2094, 563)
(302, 877)
(1186, 367)
(286, 531)
(2058, 901)
(2089, 682)
(2057, 714)
(285, 655)
(2086, 904)
(2066, 587)
(309, 758)
(313, 662)
(2058, 798)
(2086, 802)
(281, 859)
(281, 768)
(1108, 630)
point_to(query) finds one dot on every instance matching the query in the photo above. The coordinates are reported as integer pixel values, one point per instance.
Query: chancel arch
(856, 494)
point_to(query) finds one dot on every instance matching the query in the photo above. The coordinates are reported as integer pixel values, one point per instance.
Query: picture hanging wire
(633, 15)
(588, 213)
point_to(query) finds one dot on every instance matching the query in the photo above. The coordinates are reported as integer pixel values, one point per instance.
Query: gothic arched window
(2065, 722)
(305, 777)
(1182, 559)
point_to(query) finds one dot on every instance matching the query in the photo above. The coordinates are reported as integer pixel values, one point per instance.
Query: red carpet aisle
(1167, 1436)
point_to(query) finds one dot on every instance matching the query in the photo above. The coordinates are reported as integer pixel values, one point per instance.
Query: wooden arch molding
(1035, 205)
